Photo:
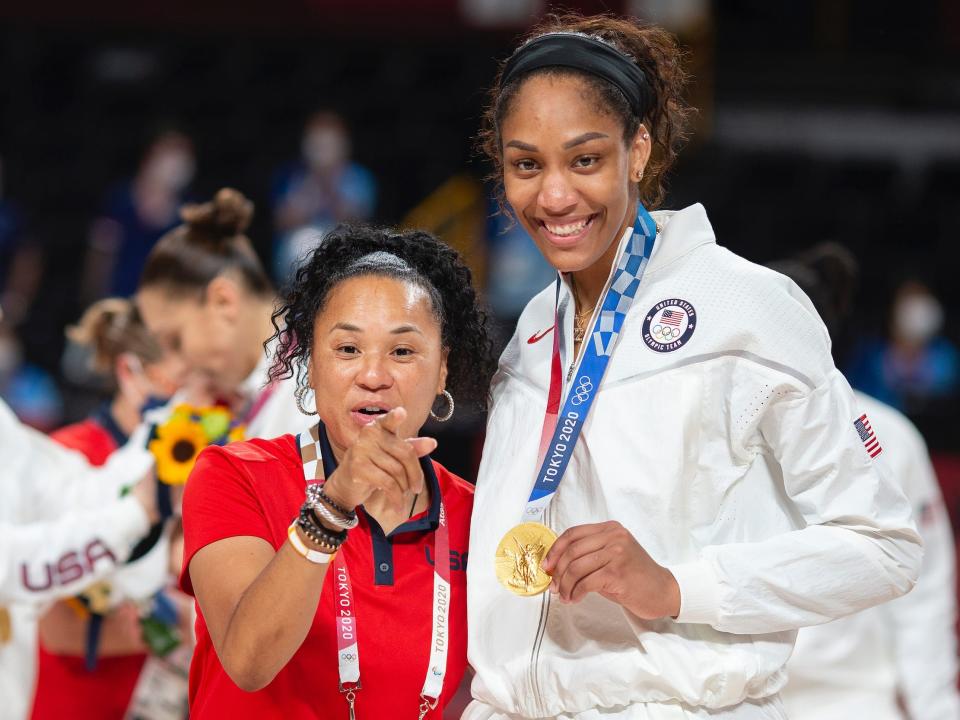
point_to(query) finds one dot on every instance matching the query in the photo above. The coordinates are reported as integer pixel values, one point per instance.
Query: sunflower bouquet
(177, 442)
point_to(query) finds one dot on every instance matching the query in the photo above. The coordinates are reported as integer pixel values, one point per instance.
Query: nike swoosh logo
(537, 337)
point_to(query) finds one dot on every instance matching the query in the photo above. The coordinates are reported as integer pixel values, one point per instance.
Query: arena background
(821, 120)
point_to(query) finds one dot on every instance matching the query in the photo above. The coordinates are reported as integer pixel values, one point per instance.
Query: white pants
(767, 709)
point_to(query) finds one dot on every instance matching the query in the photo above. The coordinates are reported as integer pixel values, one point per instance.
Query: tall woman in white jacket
(712, 484)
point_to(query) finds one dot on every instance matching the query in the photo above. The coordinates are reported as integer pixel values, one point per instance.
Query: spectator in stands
(136, 214)
(27, 388)
(321, 190)
(21, 262)
(917, 366)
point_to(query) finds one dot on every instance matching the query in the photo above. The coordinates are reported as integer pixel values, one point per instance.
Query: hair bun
(227, 215)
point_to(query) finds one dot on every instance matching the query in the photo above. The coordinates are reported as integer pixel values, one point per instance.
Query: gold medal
(519, 555)
(6, 627)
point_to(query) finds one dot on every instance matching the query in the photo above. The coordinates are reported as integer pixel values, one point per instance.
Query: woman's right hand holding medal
(380, 461)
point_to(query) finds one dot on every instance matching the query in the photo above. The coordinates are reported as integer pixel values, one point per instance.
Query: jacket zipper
(537, 642)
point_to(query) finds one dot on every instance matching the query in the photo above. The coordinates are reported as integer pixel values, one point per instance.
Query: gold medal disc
(6, 627)
(519, 555)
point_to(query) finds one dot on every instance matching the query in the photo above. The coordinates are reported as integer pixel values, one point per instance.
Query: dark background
(819, 120)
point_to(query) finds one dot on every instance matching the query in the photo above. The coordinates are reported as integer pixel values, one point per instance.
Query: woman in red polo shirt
(329, 567)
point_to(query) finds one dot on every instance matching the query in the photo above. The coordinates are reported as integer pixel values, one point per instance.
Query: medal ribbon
(348, 647)
(562, 427)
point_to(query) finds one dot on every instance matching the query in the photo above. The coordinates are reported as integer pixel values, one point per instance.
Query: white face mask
(172, 169)
(325, 148)
(917, 318)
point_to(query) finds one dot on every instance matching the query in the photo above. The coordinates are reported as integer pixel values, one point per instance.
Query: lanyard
(348, 647)
(562, 426)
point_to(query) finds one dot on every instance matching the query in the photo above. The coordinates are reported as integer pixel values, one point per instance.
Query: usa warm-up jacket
(725, 440)
(863, 665)
(63, 527)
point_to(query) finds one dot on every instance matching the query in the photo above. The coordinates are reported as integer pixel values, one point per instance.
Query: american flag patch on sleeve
(867, 435)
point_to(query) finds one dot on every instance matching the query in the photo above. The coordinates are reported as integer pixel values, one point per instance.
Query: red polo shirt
(256, 488)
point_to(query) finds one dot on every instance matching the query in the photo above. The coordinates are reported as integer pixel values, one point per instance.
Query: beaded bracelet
(315, 498)
(318, 534)
(317, 489)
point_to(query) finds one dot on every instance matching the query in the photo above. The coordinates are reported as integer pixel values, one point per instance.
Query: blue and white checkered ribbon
(604, 333)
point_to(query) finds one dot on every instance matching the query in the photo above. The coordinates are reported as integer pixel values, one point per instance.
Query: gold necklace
(580, 324)
(579, 318)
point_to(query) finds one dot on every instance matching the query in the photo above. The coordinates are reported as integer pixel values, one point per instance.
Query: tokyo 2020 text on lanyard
(522, 548)
(348, 646)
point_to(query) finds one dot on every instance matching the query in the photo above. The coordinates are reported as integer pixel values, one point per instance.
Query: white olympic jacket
(63, 527)
(724, 440)
(855, 667)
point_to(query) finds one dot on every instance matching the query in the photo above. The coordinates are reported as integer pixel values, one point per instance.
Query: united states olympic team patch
(669, 325)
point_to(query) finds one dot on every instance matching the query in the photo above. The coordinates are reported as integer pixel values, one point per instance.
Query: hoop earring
(449, 413)
(299, 395)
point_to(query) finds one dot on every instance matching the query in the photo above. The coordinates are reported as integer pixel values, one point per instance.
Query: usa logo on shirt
(868, 436)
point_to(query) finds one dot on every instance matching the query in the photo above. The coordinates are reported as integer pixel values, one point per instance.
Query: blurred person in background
(906, 650)
(123, 352)
(28, 389)
(719, 493)
(136, 214)
(63, 525)
(21, 261)
(917, 367)
(325, 187)
(207, 299)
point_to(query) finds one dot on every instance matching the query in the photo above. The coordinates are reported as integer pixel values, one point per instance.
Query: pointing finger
(392, 421)
(423, 445)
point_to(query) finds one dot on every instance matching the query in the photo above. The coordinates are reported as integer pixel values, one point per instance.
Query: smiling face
(567, 173)
(376, 346)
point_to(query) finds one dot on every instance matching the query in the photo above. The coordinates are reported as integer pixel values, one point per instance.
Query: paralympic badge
(669, 324)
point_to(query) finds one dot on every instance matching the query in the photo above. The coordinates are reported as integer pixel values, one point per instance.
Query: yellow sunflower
(236, 434)
(178, 443)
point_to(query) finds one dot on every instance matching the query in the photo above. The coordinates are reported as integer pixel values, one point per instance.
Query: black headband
(582, 52)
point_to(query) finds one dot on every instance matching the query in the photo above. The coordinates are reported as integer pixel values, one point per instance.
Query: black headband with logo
(582, 52)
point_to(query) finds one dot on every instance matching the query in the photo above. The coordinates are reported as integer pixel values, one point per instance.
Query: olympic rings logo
(665, 333)
(349, 657)
(582, 392)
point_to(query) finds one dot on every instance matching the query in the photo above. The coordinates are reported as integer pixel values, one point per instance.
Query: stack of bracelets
(317, 510)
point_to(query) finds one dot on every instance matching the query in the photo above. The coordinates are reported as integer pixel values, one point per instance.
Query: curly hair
(427, 262)
(655, 50)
